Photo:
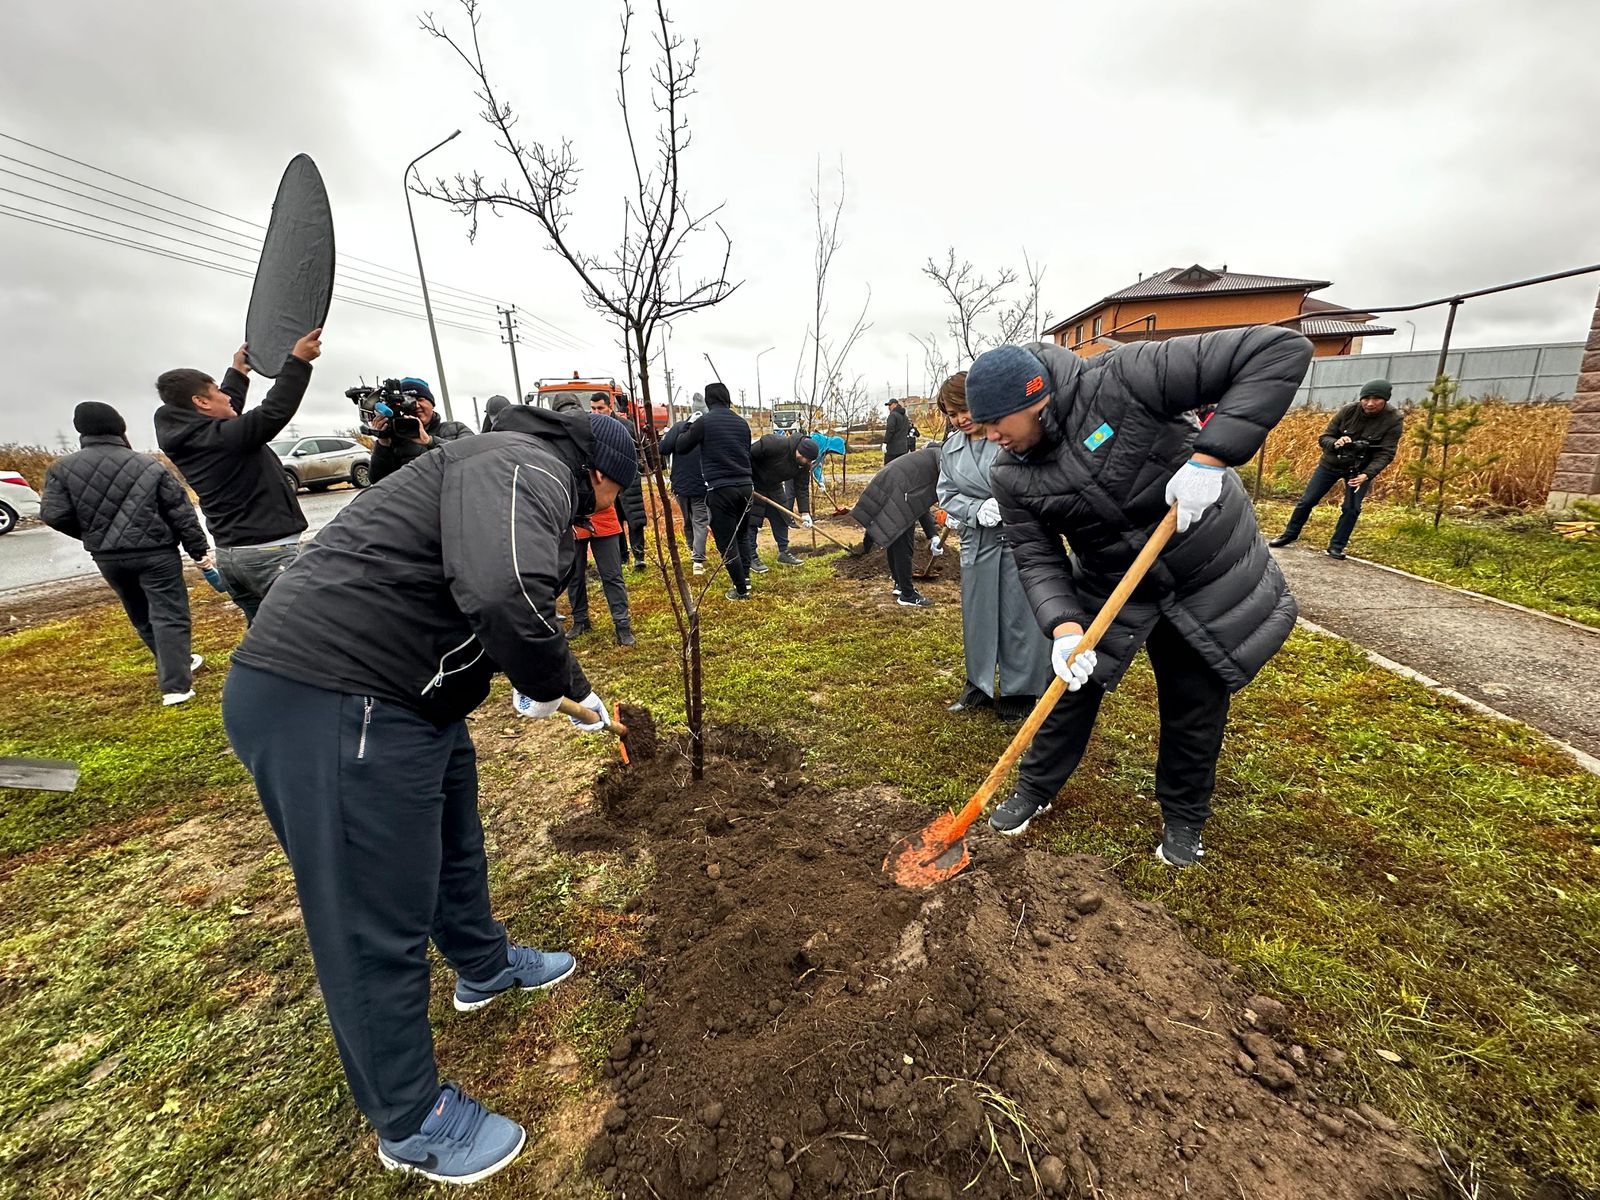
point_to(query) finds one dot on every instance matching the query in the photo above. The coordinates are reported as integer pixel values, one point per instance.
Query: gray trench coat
(998, 630)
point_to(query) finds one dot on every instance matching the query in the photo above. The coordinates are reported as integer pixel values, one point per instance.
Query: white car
(320, 462)
(17, 500)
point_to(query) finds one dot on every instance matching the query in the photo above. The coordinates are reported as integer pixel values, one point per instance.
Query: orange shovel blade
(929, 856)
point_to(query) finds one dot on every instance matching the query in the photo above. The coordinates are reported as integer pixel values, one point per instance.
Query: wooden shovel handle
(1091, 638)
(571, 708)
(794, 519)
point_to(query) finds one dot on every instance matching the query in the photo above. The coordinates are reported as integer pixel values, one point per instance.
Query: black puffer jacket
(773, 464)
(1217, 583)
(119, 503)
(431, 581)
(723, 438)
(630, 501)
(686, 477)
(242, 488)
(897, 496)
(386, 460)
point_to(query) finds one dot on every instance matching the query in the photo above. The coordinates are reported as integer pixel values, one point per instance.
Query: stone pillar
(1577, 474)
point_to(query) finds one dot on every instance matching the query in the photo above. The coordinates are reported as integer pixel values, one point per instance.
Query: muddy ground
(811, 1029)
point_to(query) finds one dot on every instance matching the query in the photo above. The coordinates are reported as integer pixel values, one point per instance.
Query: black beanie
(93, 417)
(615, 455)
(717, 393)
(1376, 387)
(808, 449)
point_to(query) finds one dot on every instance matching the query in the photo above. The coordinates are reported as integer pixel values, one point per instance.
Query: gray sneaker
(460, 1141)
(790, 560)
(1014, 814)
(1181, 845)
(759, 567)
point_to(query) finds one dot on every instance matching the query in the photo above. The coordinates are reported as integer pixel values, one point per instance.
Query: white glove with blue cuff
(1194, 489)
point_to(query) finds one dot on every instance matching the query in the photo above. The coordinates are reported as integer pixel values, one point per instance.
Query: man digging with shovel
(1098, 451)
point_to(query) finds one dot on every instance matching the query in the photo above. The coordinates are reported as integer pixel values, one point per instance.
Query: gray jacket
(1117, 427)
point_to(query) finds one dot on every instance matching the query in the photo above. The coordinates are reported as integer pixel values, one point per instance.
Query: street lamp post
(1413, 325)
(427, 304)
(769, 349)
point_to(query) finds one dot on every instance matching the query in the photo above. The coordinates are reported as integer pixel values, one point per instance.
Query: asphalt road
(35, 556)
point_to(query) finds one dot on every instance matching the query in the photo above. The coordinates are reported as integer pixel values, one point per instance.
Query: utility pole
(672, 417)
(427, 304)
(510, 339)
(908, 374)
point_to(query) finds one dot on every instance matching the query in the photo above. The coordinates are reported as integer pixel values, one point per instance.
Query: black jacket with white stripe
(442, 574)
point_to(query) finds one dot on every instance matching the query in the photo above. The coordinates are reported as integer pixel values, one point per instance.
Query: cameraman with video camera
(1360, 441)
(408, 432)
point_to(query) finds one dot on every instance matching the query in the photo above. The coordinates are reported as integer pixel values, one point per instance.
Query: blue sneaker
(461, 1141)
(526, 968)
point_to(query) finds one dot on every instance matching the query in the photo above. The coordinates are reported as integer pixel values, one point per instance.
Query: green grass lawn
(1518, 558)
(1415, 880)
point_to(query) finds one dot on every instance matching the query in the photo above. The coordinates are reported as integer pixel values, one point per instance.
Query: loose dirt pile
(811, 1030)
(874, 564)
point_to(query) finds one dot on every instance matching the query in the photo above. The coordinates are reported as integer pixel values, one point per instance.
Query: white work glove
(936, 547)
(884, 447)
(1077, 674)
(805, 519)
(594, 704)
(989, 512)
(1194, 489)
(951, 525)
(537, 709)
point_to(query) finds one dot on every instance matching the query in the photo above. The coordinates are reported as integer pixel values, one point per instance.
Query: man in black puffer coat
(1099, 449)
(723, 438)
(779, 464)
(131, 514)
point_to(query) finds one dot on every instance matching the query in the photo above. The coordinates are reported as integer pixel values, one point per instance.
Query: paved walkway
(1542, 671)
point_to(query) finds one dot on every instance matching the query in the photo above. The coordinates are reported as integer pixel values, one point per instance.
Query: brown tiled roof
(1194, 281)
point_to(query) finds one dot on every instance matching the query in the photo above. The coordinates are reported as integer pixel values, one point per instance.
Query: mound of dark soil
(874, 564)
(1027, 1028)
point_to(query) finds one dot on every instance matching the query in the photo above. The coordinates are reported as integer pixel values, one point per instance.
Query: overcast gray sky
(1401, 150)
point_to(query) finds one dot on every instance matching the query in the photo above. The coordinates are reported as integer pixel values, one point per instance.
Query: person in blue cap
(1096, 451)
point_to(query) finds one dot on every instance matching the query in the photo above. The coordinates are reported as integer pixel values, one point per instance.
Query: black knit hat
(93, 417)
(1376, 387)
(808, 449)
(717, 393)
(615, 455)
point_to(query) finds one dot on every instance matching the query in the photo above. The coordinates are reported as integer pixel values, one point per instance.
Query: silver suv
(320, 462)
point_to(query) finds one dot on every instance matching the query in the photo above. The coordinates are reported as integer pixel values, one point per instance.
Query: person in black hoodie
(392, 453)
(131, 514)
(631, 511)
(347, 703)
(222, 451)
(689, 487)
(779, 464)
(723, 438)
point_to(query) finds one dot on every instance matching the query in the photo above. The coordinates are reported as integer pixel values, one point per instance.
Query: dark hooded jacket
(723, 438)
(897, 496)
(434, 579)
(386, 460)
(1117, 427)
(1378, 433)
(630, 500)
(897, 434)
(119, 503)
(773, 464)
(686, 477)
(241, 484)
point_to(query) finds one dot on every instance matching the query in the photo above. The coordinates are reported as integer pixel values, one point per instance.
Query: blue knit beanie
(615, 456)
(420, 386)
(1005, 380)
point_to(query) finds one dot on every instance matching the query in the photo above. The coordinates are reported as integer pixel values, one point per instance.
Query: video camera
(392, 399)
(1353, 453)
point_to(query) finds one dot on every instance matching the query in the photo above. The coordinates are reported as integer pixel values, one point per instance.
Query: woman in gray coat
(998, 630)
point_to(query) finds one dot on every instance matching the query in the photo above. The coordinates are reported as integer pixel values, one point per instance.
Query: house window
(1097, 327)
(1077, 337)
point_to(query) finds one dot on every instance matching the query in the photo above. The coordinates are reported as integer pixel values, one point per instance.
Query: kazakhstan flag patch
(1099, 437)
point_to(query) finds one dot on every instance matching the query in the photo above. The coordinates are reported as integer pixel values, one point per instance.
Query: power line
(403, 276)
(49, 222)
